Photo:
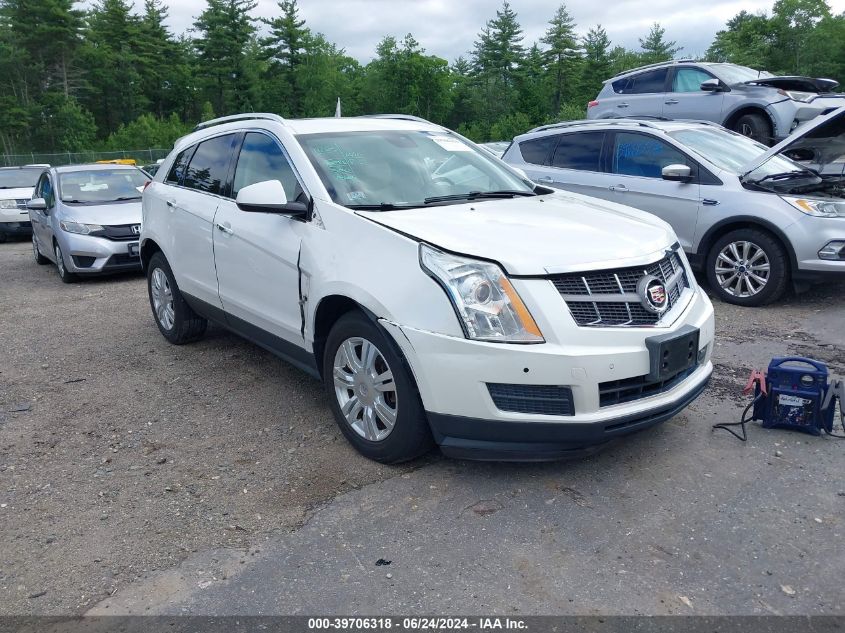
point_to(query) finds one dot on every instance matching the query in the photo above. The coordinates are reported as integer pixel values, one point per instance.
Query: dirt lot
(122, 456)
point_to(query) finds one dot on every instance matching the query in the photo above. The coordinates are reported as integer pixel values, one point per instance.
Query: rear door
(577, 164)
(688, 101)
(637, 160)
(642, 94)
(192, 201)
(257, 254)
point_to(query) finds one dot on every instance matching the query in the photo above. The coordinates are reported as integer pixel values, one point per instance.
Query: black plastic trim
(287, 351)
(497, 440)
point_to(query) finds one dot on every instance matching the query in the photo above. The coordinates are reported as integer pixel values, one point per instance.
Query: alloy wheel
(162, 298)
(60, 262)
(365, 389)
(742, 269)
(35, 250)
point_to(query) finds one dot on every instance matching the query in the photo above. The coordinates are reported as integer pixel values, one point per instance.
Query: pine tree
(655, 48)
(597, 62)
(285, 48)
(561, 56)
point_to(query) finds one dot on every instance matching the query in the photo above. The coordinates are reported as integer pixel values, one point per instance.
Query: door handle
(226, 228)
(672, 102)
(709, 202)
(171, 205)
(620, 188)
(621, 105)
(545, 179)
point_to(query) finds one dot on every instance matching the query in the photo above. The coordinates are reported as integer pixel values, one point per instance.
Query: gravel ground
(121, 454)
(122, 457)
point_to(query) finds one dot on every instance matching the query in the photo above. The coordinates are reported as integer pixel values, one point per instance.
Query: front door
(688, 101)
(257, 254)
(637, 163)
(41, 221)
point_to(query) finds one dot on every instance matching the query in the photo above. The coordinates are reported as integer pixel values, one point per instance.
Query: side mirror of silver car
(37, 204)
(677, 173)
(712, 85)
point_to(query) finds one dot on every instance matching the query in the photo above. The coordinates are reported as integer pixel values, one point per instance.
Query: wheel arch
(148, 249)
(744, 222)
(329, 309)
(732, 118)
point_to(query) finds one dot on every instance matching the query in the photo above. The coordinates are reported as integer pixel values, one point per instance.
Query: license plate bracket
(133, 249)
(672, 353)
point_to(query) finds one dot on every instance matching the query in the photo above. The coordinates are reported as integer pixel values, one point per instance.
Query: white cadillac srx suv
(439, 295)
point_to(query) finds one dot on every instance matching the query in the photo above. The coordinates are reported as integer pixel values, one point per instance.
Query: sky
(448, 28)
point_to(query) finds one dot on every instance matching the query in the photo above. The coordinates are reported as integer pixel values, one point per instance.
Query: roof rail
(587, 122)
(670, 62)
(246, 116)
(401, 117)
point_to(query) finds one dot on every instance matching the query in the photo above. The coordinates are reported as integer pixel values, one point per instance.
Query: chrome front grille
(606, 298)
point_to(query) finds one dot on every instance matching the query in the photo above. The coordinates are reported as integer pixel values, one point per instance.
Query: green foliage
(108, 74)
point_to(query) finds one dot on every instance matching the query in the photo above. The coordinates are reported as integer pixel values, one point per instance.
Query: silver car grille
(607, 298)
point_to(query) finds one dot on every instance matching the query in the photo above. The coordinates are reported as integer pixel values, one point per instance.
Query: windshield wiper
(474, 195)
(382, 206)
(784, 175)
(122, 198)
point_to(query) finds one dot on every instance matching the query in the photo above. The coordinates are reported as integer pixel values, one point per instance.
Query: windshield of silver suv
(98, 186)
(385, 170)
(19, 178)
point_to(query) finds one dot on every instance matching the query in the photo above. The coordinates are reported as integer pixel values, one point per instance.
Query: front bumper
(24, 227)
(788, 115)
(453, 377)
(808, 236)
(88, 254)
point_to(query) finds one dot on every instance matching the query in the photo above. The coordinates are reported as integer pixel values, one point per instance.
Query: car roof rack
(588, 122)
(670, 62)
(401, 117)
(246, 116)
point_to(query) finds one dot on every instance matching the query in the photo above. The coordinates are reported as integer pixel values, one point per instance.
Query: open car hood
(803, 84)
(817, 143)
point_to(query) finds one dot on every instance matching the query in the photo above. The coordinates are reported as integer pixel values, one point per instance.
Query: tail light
(592, 104)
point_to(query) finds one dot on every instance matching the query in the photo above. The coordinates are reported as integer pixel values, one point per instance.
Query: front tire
(65, 275)
(176, 320)
(372, 394)
(748, 267)
(755, 126)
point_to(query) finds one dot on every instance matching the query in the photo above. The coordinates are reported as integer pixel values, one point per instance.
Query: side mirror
(712, 85)
(677, 173)
(268, 197)
(37, 204)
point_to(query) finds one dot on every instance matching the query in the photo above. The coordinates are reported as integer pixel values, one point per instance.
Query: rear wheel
(65, 275)
(748, 267)
(372, 394)
(176, 320)
(754, 126)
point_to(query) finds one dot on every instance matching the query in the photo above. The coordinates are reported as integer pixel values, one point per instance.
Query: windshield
(94, 186)
(733, 74)
(406, 169)
(19, 178)
(731, 151)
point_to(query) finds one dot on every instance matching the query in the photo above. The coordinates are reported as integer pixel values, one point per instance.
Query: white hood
(17, 193)
(555, 233)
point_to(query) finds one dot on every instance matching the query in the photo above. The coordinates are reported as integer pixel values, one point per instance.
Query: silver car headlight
(796, 95)
(818, 207)
(486, 302)
(8, 204)
(78, 227)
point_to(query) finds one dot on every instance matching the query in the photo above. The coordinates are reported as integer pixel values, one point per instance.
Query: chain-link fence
(140, 156)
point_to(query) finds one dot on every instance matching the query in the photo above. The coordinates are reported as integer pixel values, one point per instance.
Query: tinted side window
(262, 159)
(174, 177)
(581, 150)
(689, 79)
(536, 151)
(641, 155)
(207, 170)
(45, 190)
(648, 82)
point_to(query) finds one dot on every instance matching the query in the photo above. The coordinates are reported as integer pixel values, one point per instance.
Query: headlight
(8, 204)
(486, 302)
(77, 227)
(818, 207)
(795, 95)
